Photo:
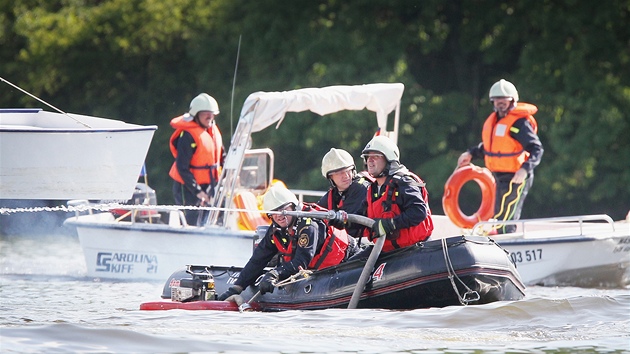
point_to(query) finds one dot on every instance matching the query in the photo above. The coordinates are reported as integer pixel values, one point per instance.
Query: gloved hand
(268, 281)
(233, 290)
(383, 227)
(340, 221)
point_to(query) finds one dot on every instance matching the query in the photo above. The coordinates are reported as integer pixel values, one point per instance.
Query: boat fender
(450, 201)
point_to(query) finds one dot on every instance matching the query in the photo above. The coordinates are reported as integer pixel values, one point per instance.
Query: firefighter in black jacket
(301, 242)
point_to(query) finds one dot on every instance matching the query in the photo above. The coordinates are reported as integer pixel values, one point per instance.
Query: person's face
(375, 163)
(283, 220)
(205, 118)
(502, 105)
(342, 179)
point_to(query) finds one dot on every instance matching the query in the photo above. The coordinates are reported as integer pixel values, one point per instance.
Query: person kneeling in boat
(301, 242)
(397, 200)
(347, 192)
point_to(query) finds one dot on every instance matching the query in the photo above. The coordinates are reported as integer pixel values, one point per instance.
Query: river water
(49, 305)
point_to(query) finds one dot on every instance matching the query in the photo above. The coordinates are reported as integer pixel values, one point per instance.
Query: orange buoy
(454, 184)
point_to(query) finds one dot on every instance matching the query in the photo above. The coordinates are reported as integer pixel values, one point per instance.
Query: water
(49, 305)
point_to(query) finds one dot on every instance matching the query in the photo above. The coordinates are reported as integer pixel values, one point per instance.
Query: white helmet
(336, 160)
(383, 145)
(203, 102)
(503, 88)
(277, 197)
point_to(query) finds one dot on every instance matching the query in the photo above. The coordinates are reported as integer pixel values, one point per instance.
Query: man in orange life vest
(347, 191)
(198, 149)
(397, 200)
(301, 242)
(511, 150)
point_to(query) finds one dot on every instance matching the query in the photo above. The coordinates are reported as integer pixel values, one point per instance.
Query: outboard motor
(196, 283)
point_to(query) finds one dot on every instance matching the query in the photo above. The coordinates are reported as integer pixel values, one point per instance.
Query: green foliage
(142, 61)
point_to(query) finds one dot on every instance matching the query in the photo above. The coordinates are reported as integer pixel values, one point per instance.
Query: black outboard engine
(199, 287)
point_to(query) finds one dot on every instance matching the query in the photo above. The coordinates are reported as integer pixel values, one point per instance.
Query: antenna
(238, 52)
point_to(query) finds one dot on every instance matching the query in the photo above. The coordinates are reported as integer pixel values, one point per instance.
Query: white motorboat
(583, 250)
(61, 156)
(141, 247)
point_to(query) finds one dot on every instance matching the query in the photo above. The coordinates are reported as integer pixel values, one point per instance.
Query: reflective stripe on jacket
(502, 153)
(205, 162)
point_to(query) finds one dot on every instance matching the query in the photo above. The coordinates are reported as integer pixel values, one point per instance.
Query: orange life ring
(450, 200)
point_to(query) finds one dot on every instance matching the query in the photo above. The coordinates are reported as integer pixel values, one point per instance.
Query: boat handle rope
(470, 295)
(303, 273)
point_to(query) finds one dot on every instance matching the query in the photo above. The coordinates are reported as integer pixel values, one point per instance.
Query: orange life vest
(205, 162)
(385, 207)
(502, 152)
(332, 252)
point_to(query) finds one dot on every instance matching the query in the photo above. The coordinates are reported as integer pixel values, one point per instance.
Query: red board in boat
(193, 305)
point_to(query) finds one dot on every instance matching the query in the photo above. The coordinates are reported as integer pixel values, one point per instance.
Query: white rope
(464, 300)
(110, 206)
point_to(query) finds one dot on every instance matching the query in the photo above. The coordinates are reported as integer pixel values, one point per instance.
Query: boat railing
(133, 213)
(302, 193)
(579, 219)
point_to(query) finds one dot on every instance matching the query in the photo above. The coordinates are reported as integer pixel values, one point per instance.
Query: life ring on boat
(454, 184)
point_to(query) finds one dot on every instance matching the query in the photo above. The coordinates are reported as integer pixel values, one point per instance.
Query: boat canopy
(267, 108)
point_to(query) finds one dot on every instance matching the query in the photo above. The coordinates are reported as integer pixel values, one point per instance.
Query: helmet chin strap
(289, 226)
(293, 218)
(510, 107)
(384, 172)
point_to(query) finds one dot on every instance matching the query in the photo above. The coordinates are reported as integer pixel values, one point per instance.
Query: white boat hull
(51, 156)
(143, 251)
(548, 253)
(548, 257)
(599, 259)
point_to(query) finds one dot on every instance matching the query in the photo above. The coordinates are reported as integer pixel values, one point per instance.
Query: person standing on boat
(397, 200)
(301, 242)
(347, 192)
(511, 150)
(199, 154)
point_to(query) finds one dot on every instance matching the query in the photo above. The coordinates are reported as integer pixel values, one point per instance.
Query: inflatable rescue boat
(461, 270)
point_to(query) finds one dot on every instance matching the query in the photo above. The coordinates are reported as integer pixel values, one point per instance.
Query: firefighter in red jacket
(511, 150)
(198, 149)
(397, 200)
(301, 242)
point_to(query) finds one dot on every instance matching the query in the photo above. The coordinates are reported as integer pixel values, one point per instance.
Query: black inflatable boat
(461, 270)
